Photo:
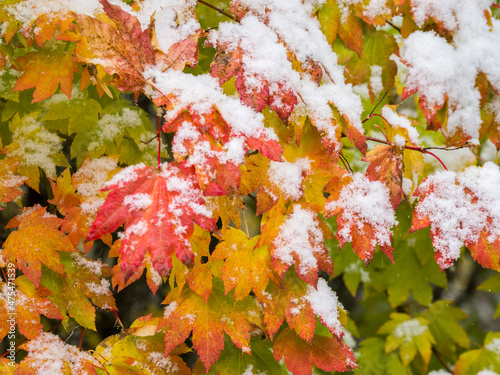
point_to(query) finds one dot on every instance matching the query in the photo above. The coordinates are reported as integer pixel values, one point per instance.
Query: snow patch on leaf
(460, 207)
(409, 329)
(299, 234)
(288, 177)
(365, 201)
(324, 303)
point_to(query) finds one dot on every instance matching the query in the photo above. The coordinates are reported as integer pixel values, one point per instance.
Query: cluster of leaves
(239, 218)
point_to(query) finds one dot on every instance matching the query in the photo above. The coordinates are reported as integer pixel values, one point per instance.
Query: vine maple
(283, 132)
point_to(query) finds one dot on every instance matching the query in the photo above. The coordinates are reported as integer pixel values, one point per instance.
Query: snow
(438, 69)
(170, 309)
(173, 20)
(161, 362)
(494, 346)
(399, 140)
(89, 179)
(457, 215)
(365, 201)
(92, 265)
(139, 201)
(399, 121)
(36, 144)
(48, 353)
(102, 289)
(376, 7)
(111, 127)
(376, 79)
(125, 176)
(409, 329)
(487, 372)
(439, 372)
(288, 177)
(324, 303)
(301, 235)
(263, 33)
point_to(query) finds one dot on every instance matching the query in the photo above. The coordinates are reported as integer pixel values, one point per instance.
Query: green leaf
(234, 361)
(409, 336)
(329, 19)
(75, 292)
(373, 360)
(445, 328)
(486, 358)
(491, 285)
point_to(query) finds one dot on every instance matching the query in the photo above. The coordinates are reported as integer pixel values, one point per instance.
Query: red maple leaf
(326, 353)
(365, 214)
(159, 209)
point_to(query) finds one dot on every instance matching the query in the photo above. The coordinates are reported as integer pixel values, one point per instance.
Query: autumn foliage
(293, 151)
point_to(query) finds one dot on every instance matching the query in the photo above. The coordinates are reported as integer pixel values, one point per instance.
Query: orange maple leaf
(127, 50)
(365, 214)
(159, 209)
(38, 240)
(459, 207)
(386, 166)
(45, 70)
(208, 322)
(247, 265)
(9, 182)
(300, 356)
(30, 304)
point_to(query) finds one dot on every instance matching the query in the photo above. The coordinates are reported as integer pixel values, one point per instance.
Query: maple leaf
(141, 351)
(228, 63)
(480, 360)
(82, 286)
(409, 335)
(45, 70)
(300, 356)
(70, 359)
(9, 182)
(247, 266)
(385, 166)
(299, 241)
(208, 322)
(30, 304)
(37, 240)
(166, 202)
(458, 207)
(353, 198)
(127, 50)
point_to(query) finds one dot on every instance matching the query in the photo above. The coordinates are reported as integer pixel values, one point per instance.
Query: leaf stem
(158, 134)
(246, 223)
(118, 319)
(82, 331)
(221, 11)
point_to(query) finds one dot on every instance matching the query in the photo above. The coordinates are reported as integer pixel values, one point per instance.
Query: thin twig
(376, 105)
(378, 127)
(443, 362)
(390, 23)
(423, 150)
(345, 162)
(221, 11)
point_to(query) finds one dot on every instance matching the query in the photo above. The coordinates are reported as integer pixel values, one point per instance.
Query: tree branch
(221, 11)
